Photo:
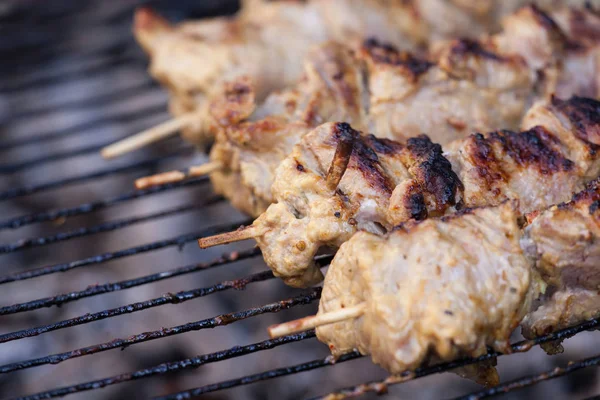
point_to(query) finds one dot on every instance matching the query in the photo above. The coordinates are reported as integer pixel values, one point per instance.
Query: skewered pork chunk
(473, 86)
(441, 289)
(433, 291)
(387, 183)
(268, 40)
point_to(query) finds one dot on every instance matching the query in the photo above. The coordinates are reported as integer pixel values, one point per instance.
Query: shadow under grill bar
(86, 208)
(220, 320)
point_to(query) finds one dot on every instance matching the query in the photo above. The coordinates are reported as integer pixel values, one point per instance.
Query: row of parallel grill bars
(29, 53)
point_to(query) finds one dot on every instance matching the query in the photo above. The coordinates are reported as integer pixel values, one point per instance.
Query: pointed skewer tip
(244, 233)
(314, 321)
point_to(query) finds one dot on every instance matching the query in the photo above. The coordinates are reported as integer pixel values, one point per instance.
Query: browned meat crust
(473, 85)
(267, 41)
(388, 183)
(451, 287)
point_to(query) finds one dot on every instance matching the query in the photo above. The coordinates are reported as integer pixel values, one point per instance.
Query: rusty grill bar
(124, 57)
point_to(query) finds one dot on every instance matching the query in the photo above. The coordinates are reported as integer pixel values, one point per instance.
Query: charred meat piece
(387, 183)
(432, 291)
(474, 86)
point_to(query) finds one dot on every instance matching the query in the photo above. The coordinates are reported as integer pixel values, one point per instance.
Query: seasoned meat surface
(309, 214)
(446, 288)
(434, 290)
(387, 183)
(267, 40)
(469, 86)
(253, 139)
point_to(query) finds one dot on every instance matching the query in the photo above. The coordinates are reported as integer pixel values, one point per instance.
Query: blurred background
(73, 80)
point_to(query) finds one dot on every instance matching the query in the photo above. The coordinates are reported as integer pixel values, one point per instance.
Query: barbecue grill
(73, 81)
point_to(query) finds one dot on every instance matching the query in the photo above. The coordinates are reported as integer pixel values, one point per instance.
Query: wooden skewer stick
(149, 136)
(342, 155)
(177, 176)
(302, 324)
(244, 233)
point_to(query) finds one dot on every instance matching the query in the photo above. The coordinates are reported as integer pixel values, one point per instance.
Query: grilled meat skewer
(388, 183)
(267, 41)
(441, 289)
(473, 86)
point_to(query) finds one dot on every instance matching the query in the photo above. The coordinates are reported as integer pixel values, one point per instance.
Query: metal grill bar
(96, 290)
(36, 60)
(66, 74)
(105, 227)
(220, 320)
(92, 102)
(84, 127)
(274, 373)
(29, 190)
(195, 362)
(170, 298)
(531, 380)
(179, 241)
(36, 162)
(86, 208)
(519, 347)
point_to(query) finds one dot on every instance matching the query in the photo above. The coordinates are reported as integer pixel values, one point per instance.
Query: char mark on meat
(584, 114)
(463, 47)
(433, 172)
(365, 159)
(536, 146)
(548, 22)
(383, 53)
(383, 146)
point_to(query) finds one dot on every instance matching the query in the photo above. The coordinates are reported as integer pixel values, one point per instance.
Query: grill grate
(79, 64)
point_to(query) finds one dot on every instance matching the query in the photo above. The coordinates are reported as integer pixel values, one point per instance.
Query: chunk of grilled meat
(473, 86)
(564, 241)
(447, 288)
(253, 139)
(268, 40)
(434, 291)
(387, 183)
